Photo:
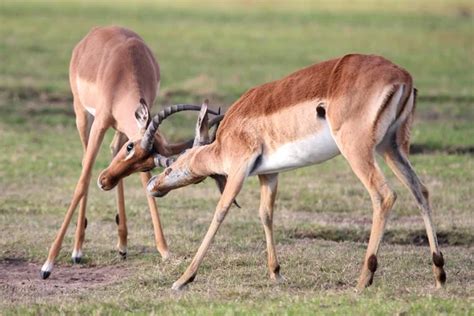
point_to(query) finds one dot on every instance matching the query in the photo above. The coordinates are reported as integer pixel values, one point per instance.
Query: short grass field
(218, 50)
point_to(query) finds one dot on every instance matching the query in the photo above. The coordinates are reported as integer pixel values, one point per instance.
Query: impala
(356, 105)
(114, 79)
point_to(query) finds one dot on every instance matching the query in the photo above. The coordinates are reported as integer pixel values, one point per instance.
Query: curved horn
(162, 161)
(202, 126)
(177, 148)
(147, 140)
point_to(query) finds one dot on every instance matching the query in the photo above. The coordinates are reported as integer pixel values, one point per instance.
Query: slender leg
(383, 199)
(121, 220)
(83, 122)
(95, 139)
(233, 186)
(268, 190)
(398, 162)
(117, 143)
(160, 240)
(360, 153)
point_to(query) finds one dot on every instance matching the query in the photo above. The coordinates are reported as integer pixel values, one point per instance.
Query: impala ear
(142, 116)
(202, 126)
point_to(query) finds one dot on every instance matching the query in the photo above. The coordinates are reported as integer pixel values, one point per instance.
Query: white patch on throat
(313, 149)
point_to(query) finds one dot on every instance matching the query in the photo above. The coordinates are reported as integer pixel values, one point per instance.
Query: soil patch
(20, 279)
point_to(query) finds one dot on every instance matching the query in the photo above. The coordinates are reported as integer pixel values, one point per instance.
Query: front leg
(234, 184)
(160, 240)
(268, 190)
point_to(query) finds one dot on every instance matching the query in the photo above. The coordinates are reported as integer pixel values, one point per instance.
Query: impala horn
(202, 133)
(148, 137)
(203, 138)
(202, 126)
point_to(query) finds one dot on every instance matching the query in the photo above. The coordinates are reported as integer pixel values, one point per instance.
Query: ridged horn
(162, 161)
(148, 137)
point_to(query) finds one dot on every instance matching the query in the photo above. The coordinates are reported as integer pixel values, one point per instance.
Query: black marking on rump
(404, 101)
(384, 105)
(372, 263)
(321, 111)
(438, 260)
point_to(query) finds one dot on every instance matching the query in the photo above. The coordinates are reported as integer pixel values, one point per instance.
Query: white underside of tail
(310, 150)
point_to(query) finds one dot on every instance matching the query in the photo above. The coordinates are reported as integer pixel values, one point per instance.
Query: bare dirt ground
(20, 280)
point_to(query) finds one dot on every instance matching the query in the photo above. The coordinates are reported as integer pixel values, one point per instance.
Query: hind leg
(360, 153)
(400, 165)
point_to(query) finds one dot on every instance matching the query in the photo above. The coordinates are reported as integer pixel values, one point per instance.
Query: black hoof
(123, 255)
(76, 260)
(45, 274)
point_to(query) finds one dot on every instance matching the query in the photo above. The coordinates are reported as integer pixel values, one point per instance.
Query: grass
(323, 214)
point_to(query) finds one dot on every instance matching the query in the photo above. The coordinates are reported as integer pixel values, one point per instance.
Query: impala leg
(233, 186)
(383, 199)
(402, 168)
(95, 139)
(361, 157)
(83, 123)
(268, 190)
(160, 240)
(117, 143)
(80, 230)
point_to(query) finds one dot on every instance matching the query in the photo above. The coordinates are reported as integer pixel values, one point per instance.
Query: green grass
(323, 213)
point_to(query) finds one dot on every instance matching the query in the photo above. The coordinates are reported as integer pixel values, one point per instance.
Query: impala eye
(129, 147)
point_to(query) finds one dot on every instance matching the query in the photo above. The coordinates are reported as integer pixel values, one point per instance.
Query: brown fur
(363, 117)
(111, 70)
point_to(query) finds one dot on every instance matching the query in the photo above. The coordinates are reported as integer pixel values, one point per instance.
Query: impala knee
(385, 199)
(389, 199)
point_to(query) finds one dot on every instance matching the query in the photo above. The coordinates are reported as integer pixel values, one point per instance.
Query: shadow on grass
(460, 237)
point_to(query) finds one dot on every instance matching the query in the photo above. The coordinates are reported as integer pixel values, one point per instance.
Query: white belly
(313, 149)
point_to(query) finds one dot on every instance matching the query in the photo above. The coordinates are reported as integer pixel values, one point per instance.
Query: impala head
(178, 175)
(143, 152)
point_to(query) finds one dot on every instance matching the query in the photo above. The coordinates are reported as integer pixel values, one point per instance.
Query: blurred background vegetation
(218, 50)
